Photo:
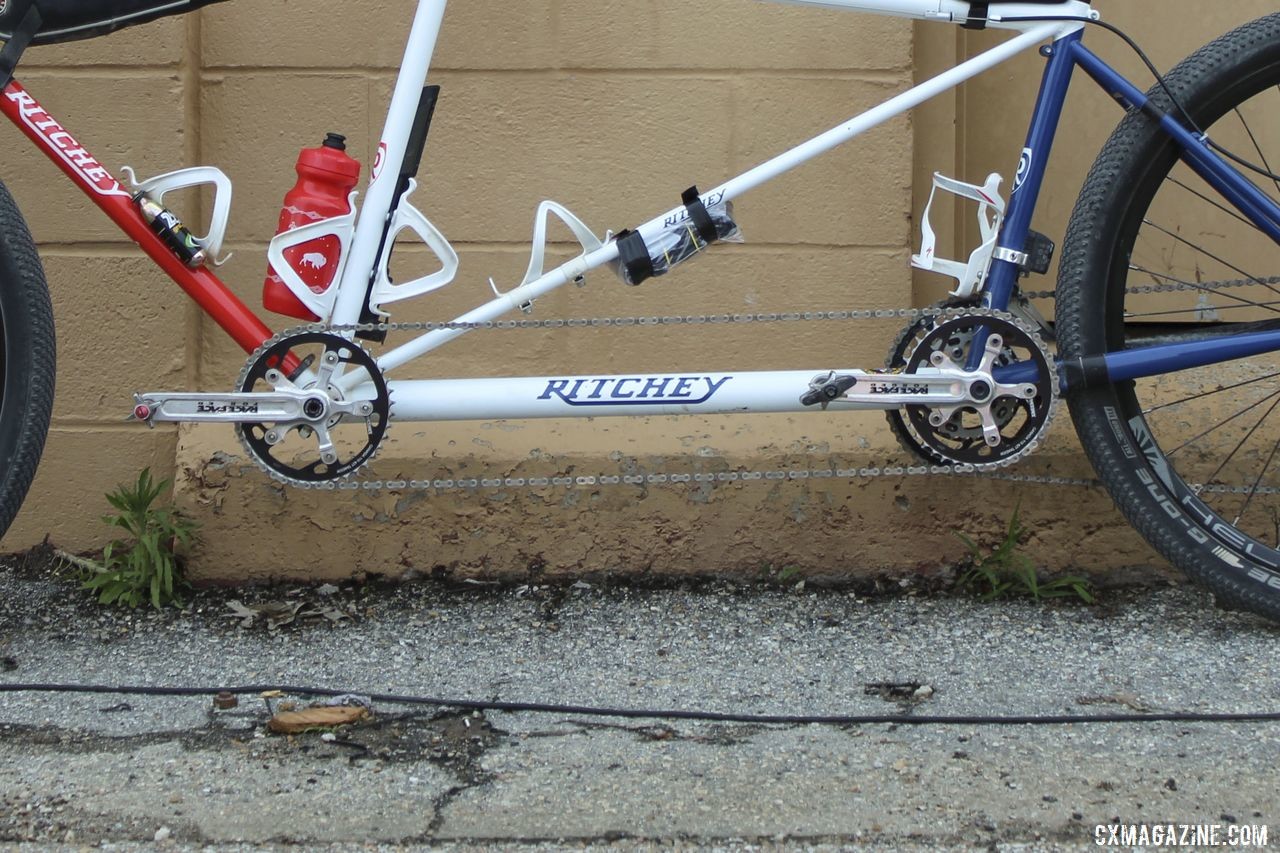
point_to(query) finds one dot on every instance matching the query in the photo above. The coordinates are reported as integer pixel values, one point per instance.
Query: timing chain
(729, 319)
(475, 484)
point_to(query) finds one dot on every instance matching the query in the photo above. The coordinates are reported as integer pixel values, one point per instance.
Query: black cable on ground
(645, 713)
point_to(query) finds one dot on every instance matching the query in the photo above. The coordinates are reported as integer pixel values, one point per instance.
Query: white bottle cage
(537, 263)
(158, 186)
(407, 217)
(339, 227)
(973, 274)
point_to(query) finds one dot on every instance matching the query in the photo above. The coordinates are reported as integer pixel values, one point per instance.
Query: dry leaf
(1126, 699)
(294, 722)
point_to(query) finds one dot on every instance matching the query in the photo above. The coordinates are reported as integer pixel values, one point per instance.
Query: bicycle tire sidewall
(1117, 191)
(26, 326)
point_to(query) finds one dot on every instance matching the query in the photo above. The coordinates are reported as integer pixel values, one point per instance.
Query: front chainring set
(963, 436)
(343, 427)
(326, 405)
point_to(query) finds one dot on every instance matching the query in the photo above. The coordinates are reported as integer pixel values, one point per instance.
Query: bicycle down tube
(105, 190)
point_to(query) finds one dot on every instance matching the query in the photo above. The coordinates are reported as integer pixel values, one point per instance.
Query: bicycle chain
(443, 485)
(731, 319)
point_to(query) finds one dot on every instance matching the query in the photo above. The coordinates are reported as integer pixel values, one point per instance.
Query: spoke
(1211, 393)
(1223, 423)
(1253, 489)
(1211, 255)
(1130, 315)
(1256, 146)
(1216, 204)
(1200, 287)
(1242, 442)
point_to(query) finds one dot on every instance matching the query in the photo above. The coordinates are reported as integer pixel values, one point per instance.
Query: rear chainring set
(960, 437)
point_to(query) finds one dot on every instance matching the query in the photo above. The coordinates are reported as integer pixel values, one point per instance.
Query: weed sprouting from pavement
(146, 566)
(1005, 572)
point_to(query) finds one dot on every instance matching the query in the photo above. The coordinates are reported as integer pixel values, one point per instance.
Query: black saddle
(66, 20)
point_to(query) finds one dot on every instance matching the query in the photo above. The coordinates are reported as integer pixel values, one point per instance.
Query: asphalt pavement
(124, 771)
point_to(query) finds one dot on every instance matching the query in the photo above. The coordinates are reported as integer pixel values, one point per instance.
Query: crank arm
(283, 406)
(945, 387)
(869, 390)
(179, 407)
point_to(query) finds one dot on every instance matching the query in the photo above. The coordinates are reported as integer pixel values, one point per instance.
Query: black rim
(1212, 435)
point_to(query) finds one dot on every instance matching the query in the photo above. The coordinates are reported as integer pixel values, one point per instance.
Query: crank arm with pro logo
(283, 406)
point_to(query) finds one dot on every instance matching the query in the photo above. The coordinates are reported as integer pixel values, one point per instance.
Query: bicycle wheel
(26, 359)
(1154, 254)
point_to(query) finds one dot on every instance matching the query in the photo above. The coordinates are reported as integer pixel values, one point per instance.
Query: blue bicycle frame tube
(1003, 276)
(1031, 168)
(1153, 360)
(1252, 203)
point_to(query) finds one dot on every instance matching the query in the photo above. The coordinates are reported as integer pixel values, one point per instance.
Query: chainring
(899, 353)
(960, 440)
(354, 439)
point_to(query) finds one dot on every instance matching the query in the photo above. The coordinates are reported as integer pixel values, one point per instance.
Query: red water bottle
(326, 177)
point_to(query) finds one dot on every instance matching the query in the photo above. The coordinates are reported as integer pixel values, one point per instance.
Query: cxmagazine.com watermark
(1139, 835)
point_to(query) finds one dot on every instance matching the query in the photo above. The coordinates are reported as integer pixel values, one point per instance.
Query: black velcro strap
(634, 255)
(979, 14)
(698, 214)
(15, 46)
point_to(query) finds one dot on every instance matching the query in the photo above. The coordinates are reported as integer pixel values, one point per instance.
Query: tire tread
(1081, 300)
(29, 322)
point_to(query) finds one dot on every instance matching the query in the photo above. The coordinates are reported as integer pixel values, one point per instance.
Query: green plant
(145, 566)
(787, 573)
(1005, 572)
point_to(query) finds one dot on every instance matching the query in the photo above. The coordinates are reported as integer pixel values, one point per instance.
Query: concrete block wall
(611, 107)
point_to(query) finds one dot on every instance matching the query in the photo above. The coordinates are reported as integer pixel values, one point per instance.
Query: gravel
(105, 767)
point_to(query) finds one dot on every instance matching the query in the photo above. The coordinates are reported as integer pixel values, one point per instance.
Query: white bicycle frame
(694, 392)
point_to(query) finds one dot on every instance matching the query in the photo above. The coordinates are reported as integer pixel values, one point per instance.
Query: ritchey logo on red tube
(68, 148)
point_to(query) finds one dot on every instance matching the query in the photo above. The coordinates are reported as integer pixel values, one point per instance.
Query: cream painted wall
(609, 106)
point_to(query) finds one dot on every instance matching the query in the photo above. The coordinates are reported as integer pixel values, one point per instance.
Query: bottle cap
(330, 160)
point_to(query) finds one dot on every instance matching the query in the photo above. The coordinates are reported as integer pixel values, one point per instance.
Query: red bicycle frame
(86, 172)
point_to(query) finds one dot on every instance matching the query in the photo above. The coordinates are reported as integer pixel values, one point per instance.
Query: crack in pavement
(477, 736)
(453, 742)
(718, 735)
